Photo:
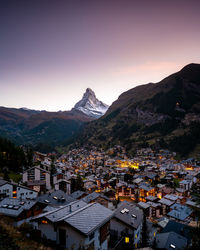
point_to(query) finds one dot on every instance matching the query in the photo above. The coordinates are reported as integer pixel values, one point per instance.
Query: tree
(176, 183)
(29, 156)
(6, 176)
(11, 156)
(195, 232)
(77, 184)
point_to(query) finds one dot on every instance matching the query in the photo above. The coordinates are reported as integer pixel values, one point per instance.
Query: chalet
(170, 241)
(180, 212)
(166, 204)
(64, 185)
(127, 221)
(56, 198)
(150, 177)
(36, 177)
(145, 207)
(162, 190)
(20, 210)
(13, 190)
(125, 189)
(76, 225)
(179, 228)
(77, 195)
(145, 190)
(186, 184)
(155, 209)
(99, 198)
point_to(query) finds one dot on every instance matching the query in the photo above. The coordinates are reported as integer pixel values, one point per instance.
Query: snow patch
(90, 105)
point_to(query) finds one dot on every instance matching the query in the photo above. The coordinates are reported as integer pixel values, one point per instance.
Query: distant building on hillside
(20, 210)
(37, 178)
(13, 190)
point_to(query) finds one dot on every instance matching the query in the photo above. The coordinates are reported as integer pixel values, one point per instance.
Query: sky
(52, 50)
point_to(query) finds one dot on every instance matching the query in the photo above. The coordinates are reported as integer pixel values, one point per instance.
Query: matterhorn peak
(90, 105)
(89, 90)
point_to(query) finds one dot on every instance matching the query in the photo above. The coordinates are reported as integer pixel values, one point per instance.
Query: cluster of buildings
(92, 199)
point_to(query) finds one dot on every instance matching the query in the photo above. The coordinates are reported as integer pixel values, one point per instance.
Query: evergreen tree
(6, 176)
(77, 184)
(11, 156)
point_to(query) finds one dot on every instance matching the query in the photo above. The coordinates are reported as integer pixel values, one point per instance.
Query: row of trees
(14, 158)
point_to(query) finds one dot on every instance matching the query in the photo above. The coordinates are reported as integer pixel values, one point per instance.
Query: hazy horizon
(52, 51)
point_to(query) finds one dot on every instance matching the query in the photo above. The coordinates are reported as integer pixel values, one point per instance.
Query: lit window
(126, 239)
(44, 222)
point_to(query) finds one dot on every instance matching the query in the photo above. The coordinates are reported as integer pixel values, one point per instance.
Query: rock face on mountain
(166, 114)
(90, 105)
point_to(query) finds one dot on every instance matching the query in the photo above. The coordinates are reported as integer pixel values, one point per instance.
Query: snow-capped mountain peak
(90, 105)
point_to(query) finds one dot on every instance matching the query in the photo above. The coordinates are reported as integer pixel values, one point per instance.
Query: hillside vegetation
(164, 114)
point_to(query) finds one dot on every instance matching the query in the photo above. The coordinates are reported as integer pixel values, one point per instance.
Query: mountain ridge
(28, 126)
(152, 114)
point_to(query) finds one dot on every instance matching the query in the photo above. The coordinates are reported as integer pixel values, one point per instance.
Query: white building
(12, 190)
(36, 177)
(61, 182)
(76, 225)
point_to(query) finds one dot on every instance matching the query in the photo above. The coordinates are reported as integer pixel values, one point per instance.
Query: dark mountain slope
(49, 129)
(33, 127)
(152, 114)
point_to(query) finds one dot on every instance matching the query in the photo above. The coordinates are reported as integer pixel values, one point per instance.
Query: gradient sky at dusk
(51, 51)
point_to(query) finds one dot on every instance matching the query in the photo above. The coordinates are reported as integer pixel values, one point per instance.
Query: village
(96, 199)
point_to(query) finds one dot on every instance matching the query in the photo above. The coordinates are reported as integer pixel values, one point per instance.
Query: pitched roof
(77, 194)
(179, 228)
(83, 217)
(170, 241)
(129, 214)
(179, 211)
(14, 207)
(91, 197)
(146, 187)
(171, 197)
(56, 198)
(56, 214)
(88, 218)
(166, 202)
(2, 182)
(143, 204)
